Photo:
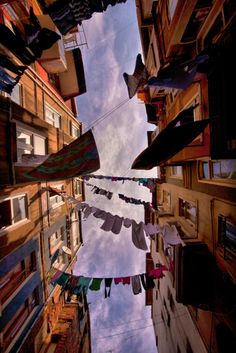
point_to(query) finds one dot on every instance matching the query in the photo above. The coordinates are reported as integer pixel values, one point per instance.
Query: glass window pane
(5, 214)
(228, 169)
(39, 145)
(15, 94)
(23, 138)
(19, 209)
(216, 170)
(205, 170)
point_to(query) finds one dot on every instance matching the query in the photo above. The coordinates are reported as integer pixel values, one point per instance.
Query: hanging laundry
(135, 201)
(16, 45)
(82, 285)
(123, 280)
(96, 284)
(147, 281)
(114, 223)
(97, 190)
(108, 282)
(171, 236)
(178, 74)
(6, 63)
(136, 285)
(138, 237)
(138, 79)
(158, 272)
(150, 183)
(68, 14)
(77, 158)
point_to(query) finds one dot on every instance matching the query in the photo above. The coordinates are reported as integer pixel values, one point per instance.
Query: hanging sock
(136, 285)
(127, 223)
(108, 282)
(116, 228)
(96, 284)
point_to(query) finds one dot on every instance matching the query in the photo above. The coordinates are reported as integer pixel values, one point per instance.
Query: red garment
(158, 272)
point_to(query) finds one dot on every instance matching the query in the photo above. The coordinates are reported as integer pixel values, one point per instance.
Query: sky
(121, 323)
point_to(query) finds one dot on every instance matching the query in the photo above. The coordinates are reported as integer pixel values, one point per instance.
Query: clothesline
(114, 224)
(150, 183)
(80, 284)
(97, 190)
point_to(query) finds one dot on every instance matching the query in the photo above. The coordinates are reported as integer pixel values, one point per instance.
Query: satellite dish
(66, 250)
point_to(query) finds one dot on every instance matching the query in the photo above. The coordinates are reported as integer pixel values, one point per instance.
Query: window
(29, 142)
(176, 171)
(172, 6)
(218, 170)
(77, 186)
(55, 240)
(56, 200)
(188, 210)
(12, 211)
(227, 236)
(52, 117)
(74, 130)
(16, 94)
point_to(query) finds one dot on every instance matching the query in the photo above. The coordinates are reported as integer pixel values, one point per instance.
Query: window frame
(211, 180)
(50, 121)
(60, 201)
(26, 206)
(182, 217)
(33, 133)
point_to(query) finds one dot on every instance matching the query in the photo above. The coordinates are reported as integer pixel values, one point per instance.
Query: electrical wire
(106, 115)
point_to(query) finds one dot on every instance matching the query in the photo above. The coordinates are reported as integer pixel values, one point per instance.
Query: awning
(78, 158)
(169, 141)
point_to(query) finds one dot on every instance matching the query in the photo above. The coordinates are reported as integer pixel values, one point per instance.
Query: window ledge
(14, 226)
(221, 182)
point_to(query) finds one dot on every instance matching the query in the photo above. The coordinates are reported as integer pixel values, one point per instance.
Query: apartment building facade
(39, 230)
(193, 307)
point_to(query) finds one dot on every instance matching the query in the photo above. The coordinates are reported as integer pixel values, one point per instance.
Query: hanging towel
(72, 160)
(56, 275)
(87, 212)
(82, 285)
(108, 282)
(138, 237)
(96, 284)
(151, 229)
(136, 285)
(116, 227)
(171, 236)
(62, 279)
(109, 221)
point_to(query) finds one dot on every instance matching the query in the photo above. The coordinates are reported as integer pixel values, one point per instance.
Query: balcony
(72, 81)
(53, 60)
